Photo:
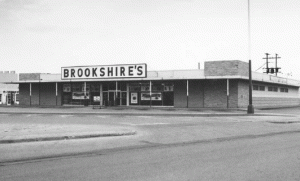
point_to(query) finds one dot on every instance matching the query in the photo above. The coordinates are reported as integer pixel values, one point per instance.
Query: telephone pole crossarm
(271, 69)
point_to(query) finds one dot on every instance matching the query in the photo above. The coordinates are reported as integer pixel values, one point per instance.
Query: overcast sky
(44, 35)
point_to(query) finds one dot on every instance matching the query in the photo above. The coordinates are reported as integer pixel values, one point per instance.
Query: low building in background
(9, 92)
(221, 84)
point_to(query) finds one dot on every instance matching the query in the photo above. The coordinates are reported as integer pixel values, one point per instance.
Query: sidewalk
(134, 111)
(15, 133)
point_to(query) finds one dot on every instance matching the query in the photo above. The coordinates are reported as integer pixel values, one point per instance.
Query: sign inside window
(134, 98)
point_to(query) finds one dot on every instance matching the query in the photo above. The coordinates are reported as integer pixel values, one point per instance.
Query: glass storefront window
(161, 93)
(105, 98)
(134, 87)
(123, 86)
(138, 94)
(76, 88)
(156, 87)
(87, 87)
(105, 87)
(95, 87)
(76, 94)
(112, 86)
(67, 88)
(168, 87)
(145, 87)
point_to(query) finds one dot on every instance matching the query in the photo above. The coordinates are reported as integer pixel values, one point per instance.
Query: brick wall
(24, 95)
(265, 98)
(29, 76)
(223, 68)
(243, 93)
(206, 93)
(59, 94)
(48, 95)
(233, 94)
(180, 99)
(243, 68)
(266, 102)
(215, 93)
(196, 90)
(35, 94)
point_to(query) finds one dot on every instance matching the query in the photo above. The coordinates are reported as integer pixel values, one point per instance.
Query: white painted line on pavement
(101, 116)
(145, 117)
(145, 124)
(65, 116)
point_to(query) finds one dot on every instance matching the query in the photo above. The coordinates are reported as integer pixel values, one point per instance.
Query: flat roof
(195, 74)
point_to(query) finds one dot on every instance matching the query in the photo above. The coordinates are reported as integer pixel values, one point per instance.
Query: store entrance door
(115, 99)
(111, 98)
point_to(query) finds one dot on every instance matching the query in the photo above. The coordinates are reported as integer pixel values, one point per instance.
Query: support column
(203, 94)
(127, 96)
(116, 94)
(101, 95)
(84, 89)
(187, 93)
(150, 93)
(71, 84)
(39, 92)
(227, 93)
(120, 96)
(56, 93)
(85, 101)
(30, 94)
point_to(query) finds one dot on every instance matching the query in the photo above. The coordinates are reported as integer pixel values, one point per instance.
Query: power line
(271, 70)
(260, 67)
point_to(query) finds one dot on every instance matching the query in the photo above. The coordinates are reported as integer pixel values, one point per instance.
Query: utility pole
(276, 68)
(267, 62)
(271, 70)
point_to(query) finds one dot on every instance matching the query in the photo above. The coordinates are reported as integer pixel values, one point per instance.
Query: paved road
(164, 148)
(272, 157)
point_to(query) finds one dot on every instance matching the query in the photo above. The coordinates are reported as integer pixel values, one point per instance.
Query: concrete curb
(150, 114)
(55, 138)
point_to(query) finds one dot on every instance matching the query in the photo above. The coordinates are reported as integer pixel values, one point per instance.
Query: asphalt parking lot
(43, 128)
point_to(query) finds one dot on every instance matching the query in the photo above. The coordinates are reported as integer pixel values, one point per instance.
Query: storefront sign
(105, 71)
(134, 98)
(154, 96)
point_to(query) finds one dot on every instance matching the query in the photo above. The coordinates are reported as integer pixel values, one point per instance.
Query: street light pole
(250, 106)
(250, 109)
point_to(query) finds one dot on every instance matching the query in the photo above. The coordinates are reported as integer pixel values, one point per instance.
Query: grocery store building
(221, 84)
